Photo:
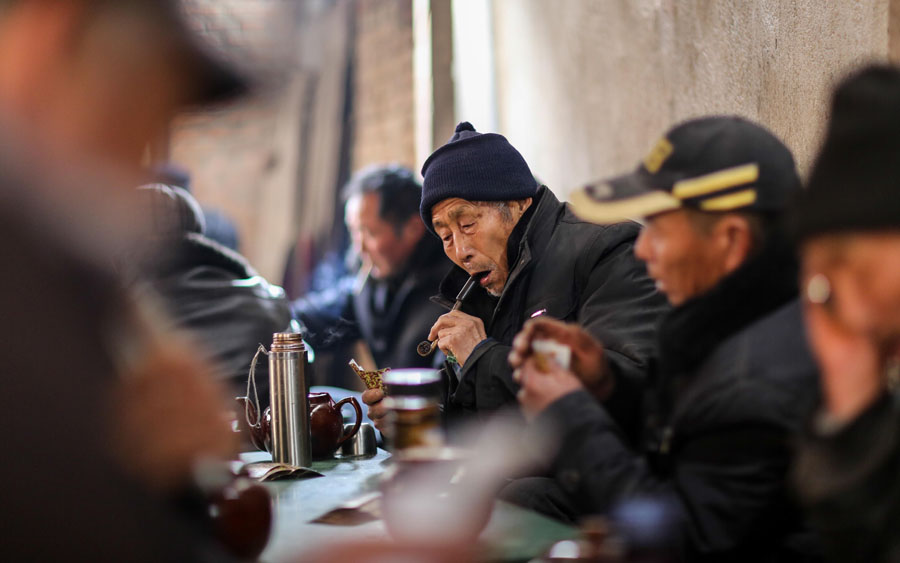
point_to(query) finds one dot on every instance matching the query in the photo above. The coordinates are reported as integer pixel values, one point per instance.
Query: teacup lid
(413, 382)
(412, 376)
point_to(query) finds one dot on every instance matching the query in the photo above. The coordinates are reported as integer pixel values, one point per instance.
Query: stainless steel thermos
(288, 392)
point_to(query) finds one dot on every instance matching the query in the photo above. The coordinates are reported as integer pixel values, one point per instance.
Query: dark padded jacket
(570, 270)
(849, 479)
(733, 382)
(338, 315)
(209, 289)
(215, 293)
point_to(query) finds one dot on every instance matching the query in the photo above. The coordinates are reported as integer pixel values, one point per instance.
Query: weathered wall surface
(585, 87)
(271, 161)
(383, 106)
(243, 158)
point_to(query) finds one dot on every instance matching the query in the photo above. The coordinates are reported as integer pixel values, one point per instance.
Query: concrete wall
(271, 162)
(383, 105)
(585, 87)
(243, 158)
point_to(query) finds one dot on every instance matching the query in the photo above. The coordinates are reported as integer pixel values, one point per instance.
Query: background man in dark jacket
(401, 267)
(530, 257)
(733, 377)
(848, 223)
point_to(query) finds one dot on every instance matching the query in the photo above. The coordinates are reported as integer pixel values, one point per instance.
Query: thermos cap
(287, 342)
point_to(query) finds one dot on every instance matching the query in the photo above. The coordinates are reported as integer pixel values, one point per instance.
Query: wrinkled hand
(457, 334)
(849, 363)
(588, 358)
(376, 409)
(169, 413)
(539, 389)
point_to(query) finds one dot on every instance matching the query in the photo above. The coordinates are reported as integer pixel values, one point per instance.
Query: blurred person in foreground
(848, 225)
(106, 414)
(733, 378)
(387, 303)
(530, 256)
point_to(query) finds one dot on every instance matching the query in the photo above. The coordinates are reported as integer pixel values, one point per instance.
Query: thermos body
(288, 392)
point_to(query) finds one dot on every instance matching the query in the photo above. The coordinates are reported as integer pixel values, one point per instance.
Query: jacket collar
(426, 261)
(764, 283)
(528, 239)
(517, 237)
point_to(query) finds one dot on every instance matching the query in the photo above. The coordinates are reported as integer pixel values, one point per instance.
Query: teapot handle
(355, 404)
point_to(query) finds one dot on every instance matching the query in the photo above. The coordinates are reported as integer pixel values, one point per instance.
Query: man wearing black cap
(105, 413)
(848, 227)
(733, 378)
(530, 257)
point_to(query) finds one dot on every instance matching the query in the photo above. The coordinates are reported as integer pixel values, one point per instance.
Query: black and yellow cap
(713, 164)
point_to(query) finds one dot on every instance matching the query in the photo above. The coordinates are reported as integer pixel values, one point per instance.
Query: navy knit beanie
(475, 167)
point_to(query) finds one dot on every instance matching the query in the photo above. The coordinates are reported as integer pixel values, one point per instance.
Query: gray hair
(501, 206)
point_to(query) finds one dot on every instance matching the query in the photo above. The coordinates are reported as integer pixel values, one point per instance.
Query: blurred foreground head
(848, 220)
(96, 81)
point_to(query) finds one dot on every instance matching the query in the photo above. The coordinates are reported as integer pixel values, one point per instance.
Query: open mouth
(482, 277)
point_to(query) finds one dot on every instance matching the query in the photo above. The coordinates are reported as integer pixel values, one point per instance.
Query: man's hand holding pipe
(458, 334)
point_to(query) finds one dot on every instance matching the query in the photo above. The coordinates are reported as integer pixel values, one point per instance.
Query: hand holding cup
(587, 356)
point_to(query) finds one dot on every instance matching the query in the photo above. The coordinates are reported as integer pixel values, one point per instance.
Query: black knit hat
(855, 182)
(475, 167)
(713, 164)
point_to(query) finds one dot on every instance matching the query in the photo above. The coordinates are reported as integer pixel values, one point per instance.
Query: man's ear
(735, 240)
(518, 207)
(524, 204)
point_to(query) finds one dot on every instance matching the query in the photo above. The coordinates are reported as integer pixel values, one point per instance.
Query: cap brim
(620, 199)
(216, 81)
(209, 76)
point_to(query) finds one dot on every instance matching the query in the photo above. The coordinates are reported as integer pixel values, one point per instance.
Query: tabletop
(512, 534)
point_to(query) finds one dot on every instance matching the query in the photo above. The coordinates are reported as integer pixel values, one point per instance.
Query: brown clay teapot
(234, 509)
(241, 517)
(325, 422)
